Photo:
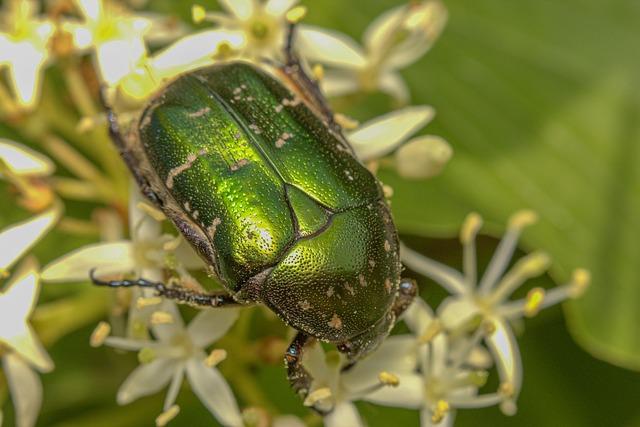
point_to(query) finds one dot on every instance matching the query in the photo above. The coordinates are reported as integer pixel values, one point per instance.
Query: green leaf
(541, 102)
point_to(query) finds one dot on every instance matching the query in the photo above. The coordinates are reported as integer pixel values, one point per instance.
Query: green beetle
(260, 181)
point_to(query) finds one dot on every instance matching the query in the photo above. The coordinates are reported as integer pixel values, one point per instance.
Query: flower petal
(344, 414)
(330, 48)
(339, 83)
(22, 160)
(423, 157)
(211, 324)
(455, 311)
(408, 394)
(26, 390)
(393, 85)
(279, 7)
(25, 72)
(214, 392)
(241, 9)
(106, 258)
(146, 379)
(506, 353)
(194, 51)
(420, 23)
(396, 355)
(383, 134)
(19, 238)
(315, 362)
(418, 316)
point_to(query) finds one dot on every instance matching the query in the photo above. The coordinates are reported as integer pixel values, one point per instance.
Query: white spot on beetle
(387, 285)
(239, 164)
(201, 112)
(349, 288)
(237, 91)
(213, 227)
(335, 322)
(279, 108)
(174, 172)
(187, 207)
(291, 102)
(387, 246)
(330, 291)
(347, 172)
(255, 128)
(304, 305)
(362, 280)
(283, 139)
(195, 214)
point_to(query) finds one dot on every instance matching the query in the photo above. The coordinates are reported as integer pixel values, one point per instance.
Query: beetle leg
(306, 85)
(299, 378)
(178, 294)
(407, 291)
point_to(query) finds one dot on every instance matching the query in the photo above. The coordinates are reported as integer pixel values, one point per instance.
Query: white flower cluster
(441, 366)
(444, 363)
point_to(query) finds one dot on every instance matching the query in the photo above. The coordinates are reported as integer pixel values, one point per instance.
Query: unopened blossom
(448, 378)
(24, 48)
(335, 390)
(179, 351)
(263, 24)
(418, 157)
(21, 352)
(395, 40)
(488, 299)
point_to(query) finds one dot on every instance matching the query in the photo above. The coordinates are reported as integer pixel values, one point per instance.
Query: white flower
(116, 36)
(178, 352)
(332, 388)
(188, 53)
(24, 48)
(263, 24)
(393, 41)
(420, 157)
(20, 350)
(489, 299)
(451, 372)
(147, 249)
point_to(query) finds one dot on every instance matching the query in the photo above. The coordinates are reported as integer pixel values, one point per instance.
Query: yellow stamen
(198, 13)
(151, 211)
(522, 219)
(441, 409)
(506, 389)
(387, 378)
(216, 356)
(430, 332)
(100, 333)
(478, 378)
(296, 14)
(144, 302)
(470, 228)
(534, 300)
(161, 318)
(146, 355)
(580, 282)
(387, 190)
(345, 122)
(317, 395)
(535, 264)
(164, 418)
(318, 72)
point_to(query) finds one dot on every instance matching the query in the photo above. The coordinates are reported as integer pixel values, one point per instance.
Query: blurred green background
(540, 100)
